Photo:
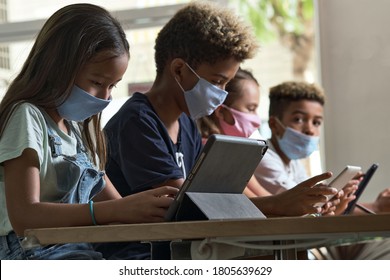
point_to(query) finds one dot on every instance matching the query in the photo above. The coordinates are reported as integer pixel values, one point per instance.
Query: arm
(298, 200)
(272, 173)
(22, 188)
(254, 188)
(380, 205)
(140, 157)
(109, 191)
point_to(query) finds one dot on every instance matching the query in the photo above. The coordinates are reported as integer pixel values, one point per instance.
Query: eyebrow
(105, 77)
(304, 113)
(222, 76)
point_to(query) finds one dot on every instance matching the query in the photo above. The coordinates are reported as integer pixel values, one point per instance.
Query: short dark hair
(283, 94)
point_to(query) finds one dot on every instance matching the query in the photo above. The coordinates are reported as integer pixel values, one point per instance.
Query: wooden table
(282, 230)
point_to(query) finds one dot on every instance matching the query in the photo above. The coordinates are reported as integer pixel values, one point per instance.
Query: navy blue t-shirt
(140, 152)
(140, 155)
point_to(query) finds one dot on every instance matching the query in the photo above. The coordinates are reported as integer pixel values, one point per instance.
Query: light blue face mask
(296, 145)
(80, 105)
(203, 98)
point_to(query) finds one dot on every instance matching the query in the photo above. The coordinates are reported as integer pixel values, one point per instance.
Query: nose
(309, 129)
(104, 94)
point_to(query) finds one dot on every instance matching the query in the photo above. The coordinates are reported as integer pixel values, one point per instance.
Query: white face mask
(80, 105)
(203, 98)
(296, 145)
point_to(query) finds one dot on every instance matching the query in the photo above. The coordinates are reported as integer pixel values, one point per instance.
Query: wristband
(92, 212)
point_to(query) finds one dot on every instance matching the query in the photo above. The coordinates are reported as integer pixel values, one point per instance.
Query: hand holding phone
(348, 173)
(362, 185)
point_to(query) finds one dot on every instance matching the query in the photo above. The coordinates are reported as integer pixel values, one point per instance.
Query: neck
(166, 106)
(275, 143)
(58, 120)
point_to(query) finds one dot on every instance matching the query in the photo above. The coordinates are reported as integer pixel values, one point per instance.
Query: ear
(274, 126)
(218, 112)
(176, 68)
(225, 114)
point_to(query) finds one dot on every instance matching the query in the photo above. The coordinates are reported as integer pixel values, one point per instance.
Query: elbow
(19, 225)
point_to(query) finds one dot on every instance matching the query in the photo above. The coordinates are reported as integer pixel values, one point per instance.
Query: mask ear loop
(230, 112)
(192, 70)
(281, 124)
(179, 84)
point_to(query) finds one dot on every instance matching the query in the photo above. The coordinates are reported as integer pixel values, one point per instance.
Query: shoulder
(189, 128)
(27, 113)
(136, 109)
(271, 157)
(137, 101)
(26, 107)
(298, 168)
(25, 129)
(186, 121)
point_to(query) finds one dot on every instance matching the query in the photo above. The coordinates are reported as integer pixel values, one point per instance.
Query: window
(4, 57)
(3, 10)
(4, 50)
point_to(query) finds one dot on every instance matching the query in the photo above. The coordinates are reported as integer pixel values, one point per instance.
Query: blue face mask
(80, 105)
(296, 145)
(203, 98)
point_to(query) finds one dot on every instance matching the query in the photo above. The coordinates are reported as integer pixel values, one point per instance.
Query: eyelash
(300, 120)
(317, 123)
(101, 84)
(252, 109)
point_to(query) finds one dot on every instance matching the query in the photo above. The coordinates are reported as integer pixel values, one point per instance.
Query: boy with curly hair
(153, 139)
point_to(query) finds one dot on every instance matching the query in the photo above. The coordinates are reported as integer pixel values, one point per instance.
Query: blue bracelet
(92, 212)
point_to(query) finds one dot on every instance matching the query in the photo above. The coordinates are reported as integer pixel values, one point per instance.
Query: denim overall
(78, 182)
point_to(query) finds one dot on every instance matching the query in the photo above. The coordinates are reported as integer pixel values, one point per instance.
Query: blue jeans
(11, 249)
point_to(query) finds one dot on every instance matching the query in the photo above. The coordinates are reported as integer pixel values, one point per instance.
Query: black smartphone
(362, 185)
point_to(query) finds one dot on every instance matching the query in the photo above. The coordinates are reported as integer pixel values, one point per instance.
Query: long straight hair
(69, 39)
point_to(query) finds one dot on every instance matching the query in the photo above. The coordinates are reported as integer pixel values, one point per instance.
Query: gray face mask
(80, 105)
(203, 98)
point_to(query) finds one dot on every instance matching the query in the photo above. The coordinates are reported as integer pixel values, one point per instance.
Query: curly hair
(209, 125)
(204, 32)
(283, 94)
